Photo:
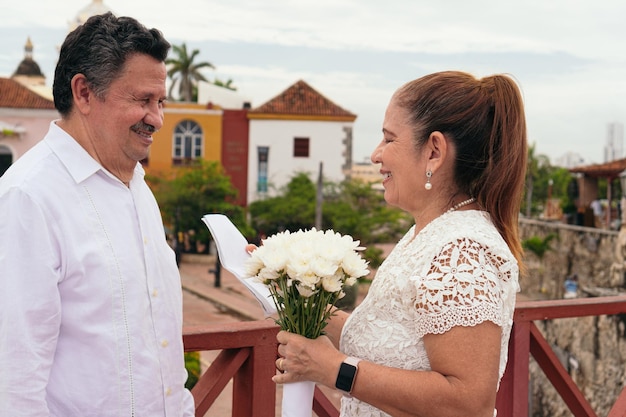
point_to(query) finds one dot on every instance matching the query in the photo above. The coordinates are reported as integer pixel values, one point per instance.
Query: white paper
(231, 248)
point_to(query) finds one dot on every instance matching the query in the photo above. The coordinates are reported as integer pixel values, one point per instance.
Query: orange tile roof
(610, 169)
(302, 100)
(15, 95)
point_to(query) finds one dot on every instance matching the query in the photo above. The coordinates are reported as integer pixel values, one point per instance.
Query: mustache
(144, 127)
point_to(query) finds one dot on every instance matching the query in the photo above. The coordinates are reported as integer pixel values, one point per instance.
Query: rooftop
(302, 100)
(15, 95)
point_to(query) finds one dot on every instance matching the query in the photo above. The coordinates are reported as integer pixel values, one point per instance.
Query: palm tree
(184, 72)
(228, 84)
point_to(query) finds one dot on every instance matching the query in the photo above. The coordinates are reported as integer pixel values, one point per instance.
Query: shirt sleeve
(189, 408)
(463, 286)
(30, 313)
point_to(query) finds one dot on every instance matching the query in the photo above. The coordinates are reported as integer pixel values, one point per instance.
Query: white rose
(332, 283)
(353, 265)
(324, 267)
(305, 290)
(308, 279)
(267, 274)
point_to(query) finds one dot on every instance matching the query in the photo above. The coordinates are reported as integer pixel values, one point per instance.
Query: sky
(568, 56)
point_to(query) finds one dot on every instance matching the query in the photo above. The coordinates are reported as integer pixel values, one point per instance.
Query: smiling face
(120, 125)
(402, 165)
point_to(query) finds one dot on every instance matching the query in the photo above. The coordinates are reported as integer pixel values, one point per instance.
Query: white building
(294, 132)
(223, 97)
(368, 173)
(92, 9)
(570, 160)
(614, 148)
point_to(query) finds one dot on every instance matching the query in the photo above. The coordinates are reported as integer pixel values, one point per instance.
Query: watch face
(345, 378)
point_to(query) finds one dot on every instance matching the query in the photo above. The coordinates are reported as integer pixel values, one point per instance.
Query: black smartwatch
(347, 374)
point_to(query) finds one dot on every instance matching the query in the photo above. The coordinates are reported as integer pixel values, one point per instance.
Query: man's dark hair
(98, 49)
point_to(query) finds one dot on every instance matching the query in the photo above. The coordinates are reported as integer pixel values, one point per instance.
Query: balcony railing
(526, 340)
(248, 353)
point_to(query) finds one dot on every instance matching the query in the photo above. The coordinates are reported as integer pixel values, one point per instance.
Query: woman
(430, 338)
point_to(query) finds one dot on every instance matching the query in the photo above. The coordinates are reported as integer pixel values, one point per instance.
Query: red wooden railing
(526, 340)
(248, 352)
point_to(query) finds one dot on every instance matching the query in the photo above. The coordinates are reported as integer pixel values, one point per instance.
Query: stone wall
(588, 252)
(593, 349)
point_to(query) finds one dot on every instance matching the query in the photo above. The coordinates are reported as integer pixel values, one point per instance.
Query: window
(262, 157)
(187, 143)
(301, 147)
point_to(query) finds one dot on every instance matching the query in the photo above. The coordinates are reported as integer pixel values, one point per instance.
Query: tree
(535, 165)
(184, 72)
(195, 191)
(355, 208)
(293, 210)
(351, 207)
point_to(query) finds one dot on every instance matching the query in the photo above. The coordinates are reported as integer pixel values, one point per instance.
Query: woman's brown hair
(485, 120)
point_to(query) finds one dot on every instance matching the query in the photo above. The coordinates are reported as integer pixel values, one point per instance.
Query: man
(598, 213)
(90, 295)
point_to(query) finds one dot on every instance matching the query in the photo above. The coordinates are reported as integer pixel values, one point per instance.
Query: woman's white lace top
(458, 271)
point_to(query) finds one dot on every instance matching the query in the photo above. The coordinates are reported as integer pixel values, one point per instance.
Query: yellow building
(190, 131)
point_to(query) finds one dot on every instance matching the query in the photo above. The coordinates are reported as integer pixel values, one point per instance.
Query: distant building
(25, 117)
(92, 9)
(29, 74)
(206, 131)
(294, 132)
(614, 148)
(190, 132)
(570, 160)
(369, 173)
(221, 96)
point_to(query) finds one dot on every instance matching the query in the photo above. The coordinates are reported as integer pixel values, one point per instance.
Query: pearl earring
(428, 185)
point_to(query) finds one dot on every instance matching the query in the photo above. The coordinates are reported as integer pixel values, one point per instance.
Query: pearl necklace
(461, 204)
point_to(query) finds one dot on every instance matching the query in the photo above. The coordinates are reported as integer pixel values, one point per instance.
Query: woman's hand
(302, 359)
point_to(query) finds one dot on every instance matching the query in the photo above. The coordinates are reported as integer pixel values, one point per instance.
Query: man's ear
(437, 148)
(81, 93)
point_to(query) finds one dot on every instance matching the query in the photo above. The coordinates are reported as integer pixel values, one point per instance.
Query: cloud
(565, 54)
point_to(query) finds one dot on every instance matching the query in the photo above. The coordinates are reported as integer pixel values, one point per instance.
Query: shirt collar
(76, 159)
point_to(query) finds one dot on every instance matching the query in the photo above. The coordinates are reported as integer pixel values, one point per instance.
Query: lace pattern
(457, 271)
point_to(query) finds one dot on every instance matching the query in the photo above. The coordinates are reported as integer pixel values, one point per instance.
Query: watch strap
(347, 374)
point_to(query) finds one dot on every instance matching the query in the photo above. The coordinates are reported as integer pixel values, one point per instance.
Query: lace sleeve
(463, 287)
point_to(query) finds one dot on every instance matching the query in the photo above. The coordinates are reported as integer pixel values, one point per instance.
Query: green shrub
(192, 364)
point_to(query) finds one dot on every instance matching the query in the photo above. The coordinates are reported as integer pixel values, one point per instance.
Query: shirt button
(168, 391)
(145, 240)
(155, 293)
(164, 343)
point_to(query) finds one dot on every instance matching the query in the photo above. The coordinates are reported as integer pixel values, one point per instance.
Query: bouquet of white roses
(306, 272)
